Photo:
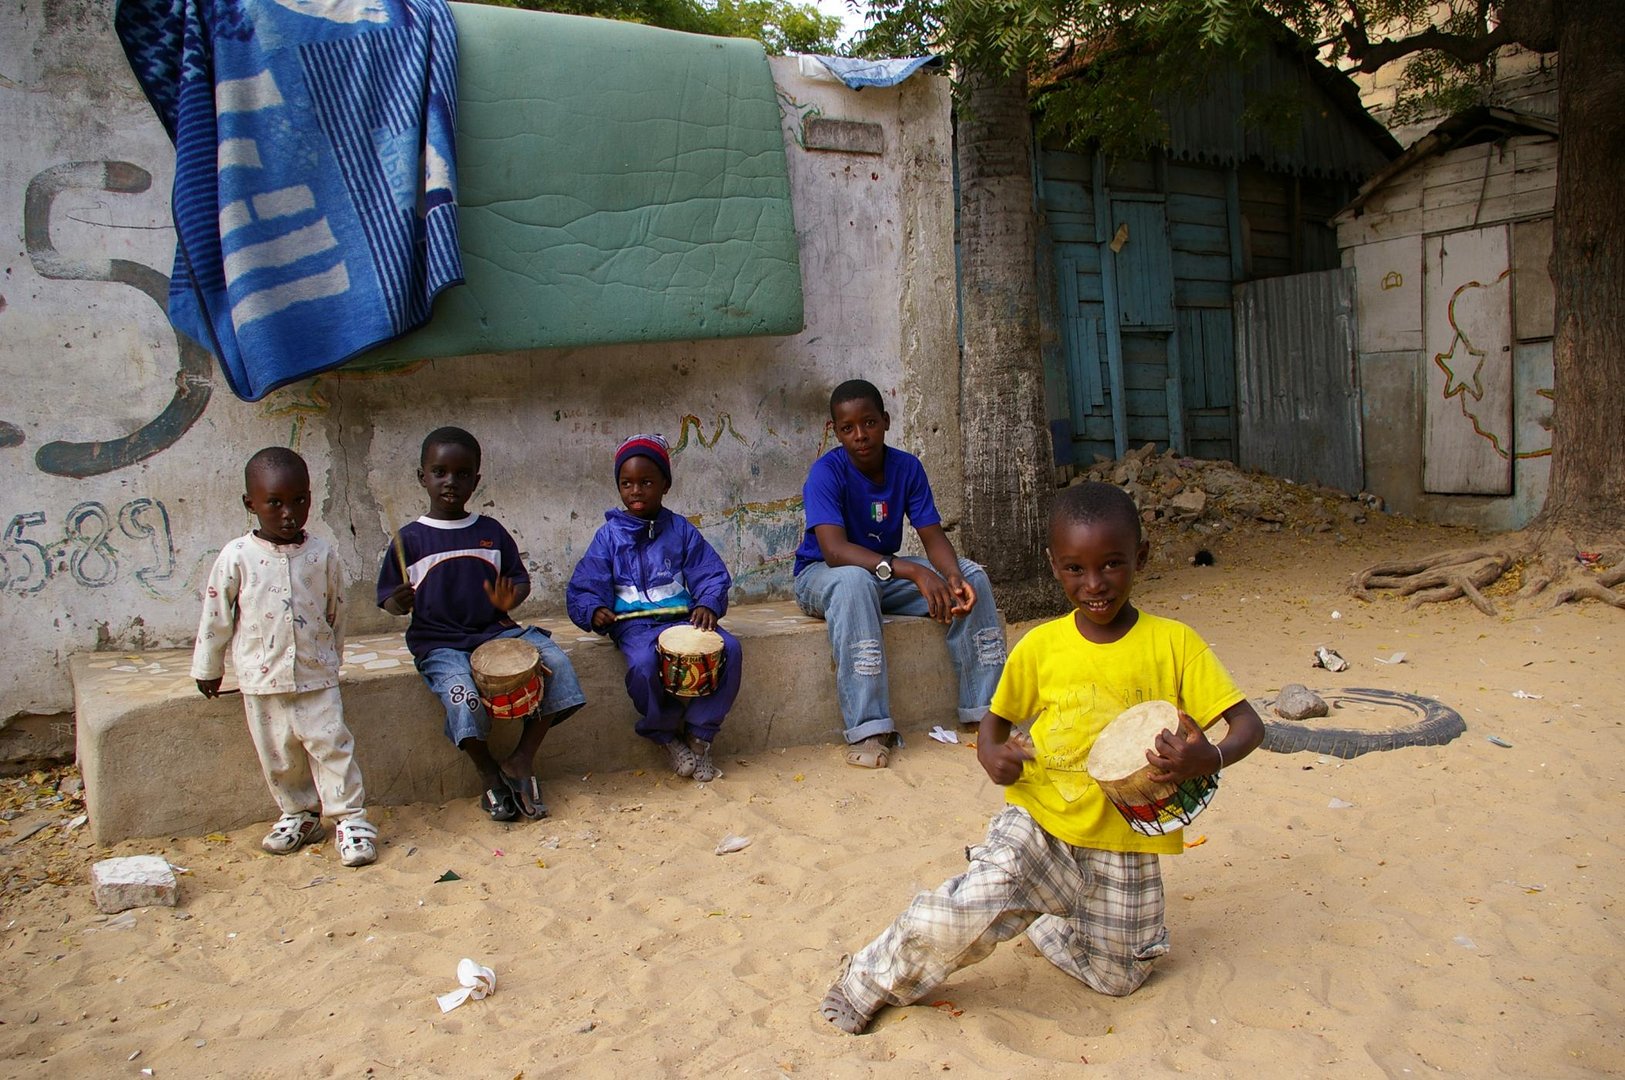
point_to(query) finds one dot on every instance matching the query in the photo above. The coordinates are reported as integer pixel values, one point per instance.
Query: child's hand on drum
(703, 618)
(504, 594)
(603, 619)
(209, 688)
(1183, 754)
(400, 601)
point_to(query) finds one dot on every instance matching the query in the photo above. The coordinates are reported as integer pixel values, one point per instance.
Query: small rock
(133, 881)
(1187, 505)
(1298, 702)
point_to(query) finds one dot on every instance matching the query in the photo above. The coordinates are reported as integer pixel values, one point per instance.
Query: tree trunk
(1009, 463)
(1586, 496)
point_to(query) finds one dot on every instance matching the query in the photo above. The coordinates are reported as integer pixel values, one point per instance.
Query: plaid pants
(1097, 915)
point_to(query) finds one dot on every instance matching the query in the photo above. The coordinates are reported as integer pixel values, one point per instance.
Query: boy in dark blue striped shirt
(458, 575)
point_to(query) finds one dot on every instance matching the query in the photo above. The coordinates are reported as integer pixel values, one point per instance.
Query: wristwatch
(883, 569)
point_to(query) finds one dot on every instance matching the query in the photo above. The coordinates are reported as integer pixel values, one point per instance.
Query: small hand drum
(508, 673)
(1117, 763)
(690, 660)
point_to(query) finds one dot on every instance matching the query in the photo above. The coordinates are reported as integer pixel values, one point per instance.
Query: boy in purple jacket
(648, 569)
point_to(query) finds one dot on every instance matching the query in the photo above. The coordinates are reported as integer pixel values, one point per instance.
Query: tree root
(1551, 568)
(1446, 576)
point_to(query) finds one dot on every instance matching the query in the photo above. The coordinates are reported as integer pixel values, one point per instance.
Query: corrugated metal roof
(1330, 139)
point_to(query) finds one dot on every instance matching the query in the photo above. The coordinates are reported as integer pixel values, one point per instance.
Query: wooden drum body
(508, 673)
(1117, 763)
(690, 660)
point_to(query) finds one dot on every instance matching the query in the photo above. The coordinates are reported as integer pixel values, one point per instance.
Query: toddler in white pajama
(276, 597)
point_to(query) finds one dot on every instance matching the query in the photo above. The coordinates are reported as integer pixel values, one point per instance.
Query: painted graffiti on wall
(91, 545)
(1464, 380)
(193, 377)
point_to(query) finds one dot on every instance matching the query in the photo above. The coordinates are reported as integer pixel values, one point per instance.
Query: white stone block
(134, 881)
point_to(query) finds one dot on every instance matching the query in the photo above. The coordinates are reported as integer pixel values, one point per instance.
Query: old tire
(1433, 724)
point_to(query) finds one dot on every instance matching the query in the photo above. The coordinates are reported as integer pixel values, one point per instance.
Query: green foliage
(1098, 68)
(780, 25)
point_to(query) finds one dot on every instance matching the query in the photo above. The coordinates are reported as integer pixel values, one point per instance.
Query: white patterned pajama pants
(306, 752)
(1097, 915)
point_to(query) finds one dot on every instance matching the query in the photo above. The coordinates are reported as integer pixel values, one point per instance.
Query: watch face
(883, 570)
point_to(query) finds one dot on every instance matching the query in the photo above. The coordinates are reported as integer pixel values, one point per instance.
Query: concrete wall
(1470, 188)
(118, 497)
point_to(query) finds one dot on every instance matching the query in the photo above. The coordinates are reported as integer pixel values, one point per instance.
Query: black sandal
(527, 796)
(499, 804)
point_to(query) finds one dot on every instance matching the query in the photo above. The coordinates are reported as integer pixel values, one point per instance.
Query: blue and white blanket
(858, 74)
(315, 172)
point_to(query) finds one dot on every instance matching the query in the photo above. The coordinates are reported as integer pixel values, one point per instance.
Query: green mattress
(616, 183)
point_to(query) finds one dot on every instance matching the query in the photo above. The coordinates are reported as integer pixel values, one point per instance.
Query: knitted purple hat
(652, 447)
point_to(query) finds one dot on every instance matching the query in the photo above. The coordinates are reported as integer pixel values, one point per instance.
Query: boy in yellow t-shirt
(1059, 861)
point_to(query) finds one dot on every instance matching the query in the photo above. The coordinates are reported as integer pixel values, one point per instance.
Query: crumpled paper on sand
(478, 982)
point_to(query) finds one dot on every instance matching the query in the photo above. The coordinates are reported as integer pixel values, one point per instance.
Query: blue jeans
(852, 601)
(449, 676)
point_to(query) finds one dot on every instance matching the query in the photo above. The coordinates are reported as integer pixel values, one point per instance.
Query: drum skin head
(503, 658)
(686, 640)
(1119, 749)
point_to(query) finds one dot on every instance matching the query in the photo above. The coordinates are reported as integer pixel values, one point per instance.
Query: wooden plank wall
(1202, 339)
(1461, 189)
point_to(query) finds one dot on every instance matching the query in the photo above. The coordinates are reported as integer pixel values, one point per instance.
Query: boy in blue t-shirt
(458, 575)
(848, 573)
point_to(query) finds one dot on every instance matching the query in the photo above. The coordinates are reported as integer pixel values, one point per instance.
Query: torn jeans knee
(867, 657)
(989, 642)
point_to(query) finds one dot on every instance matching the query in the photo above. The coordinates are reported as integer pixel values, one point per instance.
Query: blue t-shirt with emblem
(836, 493)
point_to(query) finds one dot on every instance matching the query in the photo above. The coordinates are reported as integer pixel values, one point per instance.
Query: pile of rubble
(1217, 497)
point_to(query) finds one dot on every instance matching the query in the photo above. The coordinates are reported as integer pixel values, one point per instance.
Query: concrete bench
(159, 759)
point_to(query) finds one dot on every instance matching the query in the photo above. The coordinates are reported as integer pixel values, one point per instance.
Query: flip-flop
(499, 804)
(527, 796)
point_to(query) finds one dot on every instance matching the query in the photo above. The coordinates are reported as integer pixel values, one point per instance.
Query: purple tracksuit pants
(664, 716)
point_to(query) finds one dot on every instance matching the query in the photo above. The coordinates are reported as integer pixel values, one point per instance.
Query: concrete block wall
(120, 491)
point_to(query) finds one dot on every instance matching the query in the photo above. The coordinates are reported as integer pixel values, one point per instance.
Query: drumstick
(673, 610)
(400, 556)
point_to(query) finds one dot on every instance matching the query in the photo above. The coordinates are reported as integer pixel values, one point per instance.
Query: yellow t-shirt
(1071, 689)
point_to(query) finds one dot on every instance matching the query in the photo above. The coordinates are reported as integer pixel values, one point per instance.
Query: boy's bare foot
(705, 769)
(683, 760)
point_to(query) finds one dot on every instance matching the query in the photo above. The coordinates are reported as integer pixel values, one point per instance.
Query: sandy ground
(1459, 917)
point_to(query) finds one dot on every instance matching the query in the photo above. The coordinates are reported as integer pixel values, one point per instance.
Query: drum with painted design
(690, 660)
(1117, 763)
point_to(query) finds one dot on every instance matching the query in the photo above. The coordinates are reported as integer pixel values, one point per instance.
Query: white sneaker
(292, 832)
(357, 841)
